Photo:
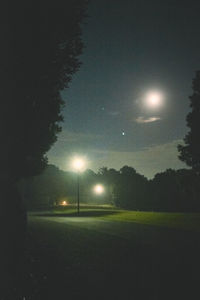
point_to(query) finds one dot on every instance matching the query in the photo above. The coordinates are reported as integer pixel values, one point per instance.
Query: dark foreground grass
(110, 254)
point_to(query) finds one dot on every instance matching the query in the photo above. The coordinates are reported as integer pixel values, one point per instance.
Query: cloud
(73, 137)
(142, 120)
(147, 161)
(114, 113)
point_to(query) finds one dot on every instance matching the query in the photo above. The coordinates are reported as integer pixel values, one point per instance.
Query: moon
(154, 99)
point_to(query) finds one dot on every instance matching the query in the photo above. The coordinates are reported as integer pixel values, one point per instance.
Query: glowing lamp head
(99, 189)
(78, 164)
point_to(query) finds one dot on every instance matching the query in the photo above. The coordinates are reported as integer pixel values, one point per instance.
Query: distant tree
(109, 178)
(166, 191)
(131, 189)
(189, 182)
(109, 174)
(190, 152)
(175, 190)
(127, 171)
(48, 188)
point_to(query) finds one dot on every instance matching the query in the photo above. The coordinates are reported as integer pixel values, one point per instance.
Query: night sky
(131, 48)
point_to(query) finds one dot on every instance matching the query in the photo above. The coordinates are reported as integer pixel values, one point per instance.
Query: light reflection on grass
(186, 221)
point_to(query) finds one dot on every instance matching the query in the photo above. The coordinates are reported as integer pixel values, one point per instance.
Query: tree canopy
(190, 152)
(40, 48)
(170, 190)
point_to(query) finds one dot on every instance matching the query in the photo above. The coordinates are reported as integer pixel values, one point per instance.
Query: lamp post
(78, 194)
(78, 165)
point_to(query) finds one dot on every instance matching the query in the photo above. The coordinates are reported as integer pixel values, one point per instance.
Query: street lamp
(78, 165)
(98, 189)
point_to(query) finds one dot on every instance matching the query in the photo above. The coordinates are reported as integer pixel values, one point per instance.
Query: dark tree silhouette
(40, 46)
(166, 191)
(47, 189)
(110, 179)
(42, 42)
(190, 152)
(174, 190)
(130, 190)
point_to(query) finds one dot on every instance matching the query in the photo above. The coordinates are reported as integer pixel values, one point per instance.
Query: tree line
(171, 190)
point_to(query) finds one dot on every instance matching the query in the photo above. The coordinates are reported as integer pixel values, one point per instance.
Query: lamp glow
(78, 164)
(99, 189)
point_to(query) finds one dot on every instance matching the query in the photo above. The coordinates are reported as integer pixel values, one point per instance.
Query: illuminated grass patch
(186, 221)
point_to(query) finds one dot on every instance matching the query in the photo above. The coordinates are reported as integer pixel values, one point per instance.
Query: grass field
(107, 253)
(186, 221)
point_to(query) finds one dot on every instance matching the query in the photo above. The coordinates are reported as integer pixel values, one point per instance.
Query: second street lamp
(98, 189)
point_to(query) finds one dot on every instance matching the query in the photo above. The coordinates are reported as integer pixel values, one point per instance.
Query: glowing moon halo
(154, 99)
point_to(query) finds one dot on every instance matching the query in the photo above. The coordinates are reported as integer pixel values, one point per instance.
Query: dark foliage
(47, 189)
(174, 191)
(109, 178)
(190, 152)
(40, 46)
(53, 186)
(130, 188)
(171, 190)
(41, 42)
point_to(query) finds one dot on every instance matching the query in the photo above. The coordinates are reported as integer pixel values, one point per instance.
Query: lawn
(185, 221)
(108, 253)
